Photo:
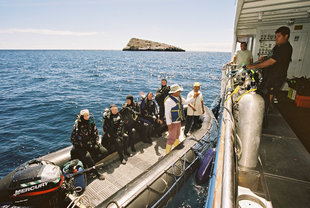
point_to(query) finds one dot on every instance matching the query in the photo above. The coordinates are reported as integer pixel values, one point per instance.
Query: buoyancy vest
(177, 111)
(84, 131)
(111, 122)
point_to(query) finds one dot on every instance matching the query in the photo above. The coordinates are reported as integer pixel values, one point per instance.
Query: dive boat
(254, 166)
(261, 166)
(149, 178)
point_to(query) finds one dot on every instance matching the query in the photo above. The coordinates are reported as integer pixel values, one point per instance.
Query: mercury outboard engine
(34, 183)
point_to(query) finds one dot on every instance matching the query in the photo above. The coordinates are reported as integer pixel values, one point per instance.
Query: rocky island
(136, 44)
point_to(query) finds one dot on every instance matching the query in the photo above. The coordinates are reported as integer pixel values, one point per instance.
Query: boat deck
(120, 175)
(282, 175)
(298, 118)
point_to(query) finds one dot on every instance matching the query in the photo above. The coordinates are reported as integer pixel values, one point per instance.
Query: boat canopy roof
(251, 14)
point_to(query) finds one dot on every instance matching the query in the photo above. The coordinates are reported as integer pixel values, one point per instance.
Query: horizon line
(81, 49)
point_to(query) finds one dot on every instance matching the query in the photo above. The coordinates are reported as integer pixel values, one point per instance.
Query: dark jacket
(130, 113)
(161, 93)
(84, 133)
(148, 109)
(113, 124)
(283, 55)
(133, 107)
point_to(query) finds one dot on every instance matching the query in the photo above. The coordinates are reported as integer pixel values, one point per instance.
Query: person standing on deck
(243, 56)
(150, 113)
(174, 114)
(161, 93)
(194, 110)
(275, 67)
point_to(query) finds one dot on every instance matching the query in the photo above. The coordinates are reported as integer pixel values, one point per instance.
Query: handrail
(226, 184)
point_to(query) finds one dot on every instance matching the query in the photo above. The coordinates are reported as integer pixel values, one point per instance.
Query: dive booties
(168, 148)
(176, 142)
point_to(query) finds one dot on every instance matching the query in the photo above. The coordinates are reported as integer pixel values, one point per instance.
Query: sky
(194, 25)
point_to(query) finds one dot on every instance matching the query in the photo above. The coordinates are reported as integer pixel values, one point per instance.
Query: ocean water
(42, 91)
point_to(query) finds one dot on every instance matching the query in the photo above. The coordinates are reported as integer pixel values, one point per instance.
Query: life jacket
(177, 113)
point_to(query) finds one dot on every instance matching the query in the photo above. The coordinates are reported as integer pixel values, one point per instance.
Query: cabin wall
(300, 41)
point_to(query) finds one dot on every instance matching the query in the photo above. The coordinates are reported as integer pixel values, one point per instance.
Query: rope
(166, 186)
(83, 199)
(72, 203)
(114, 203)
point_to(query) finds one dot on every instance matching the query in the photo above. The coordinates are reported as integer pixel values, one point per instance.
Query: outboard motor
(34, 183)
(249, 127)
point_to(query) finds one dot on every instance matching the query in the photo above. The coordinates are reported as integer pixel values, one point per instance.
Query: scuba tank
(248, 110)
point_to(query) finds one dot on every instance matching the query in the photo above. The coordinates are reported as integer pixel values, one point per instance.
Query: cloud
(48, 32)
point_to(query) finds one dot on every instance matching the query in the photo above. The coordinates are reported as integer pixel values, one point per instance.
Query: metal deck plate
(288, 193)
(119, 175)
(284, 172)
(277, 126)
(285, 157)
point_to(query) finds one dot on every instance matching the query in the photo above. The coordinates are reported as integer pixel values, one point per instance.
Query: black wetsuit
(161, 93)
(130, 114)
(149, 112)
(113, 127)
(84, 139)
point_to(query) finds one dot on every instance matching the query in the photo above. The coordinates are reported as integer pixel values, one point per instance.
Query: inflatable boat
(148, 179)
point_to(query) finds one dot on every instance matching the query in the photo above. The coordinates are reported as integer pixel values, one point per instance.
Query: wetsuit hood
(130, 97)
(83, 121)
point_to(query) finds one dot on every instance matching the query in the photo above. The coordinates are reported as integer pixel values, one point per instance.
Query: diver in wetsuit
(113, 127)
(149, 112)
(84, 138)
(136, 122)
(161, 93)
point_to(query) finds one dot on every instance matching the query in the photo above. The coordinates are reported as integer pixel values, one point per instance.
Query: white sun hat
(175, 88)
(84, 111)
